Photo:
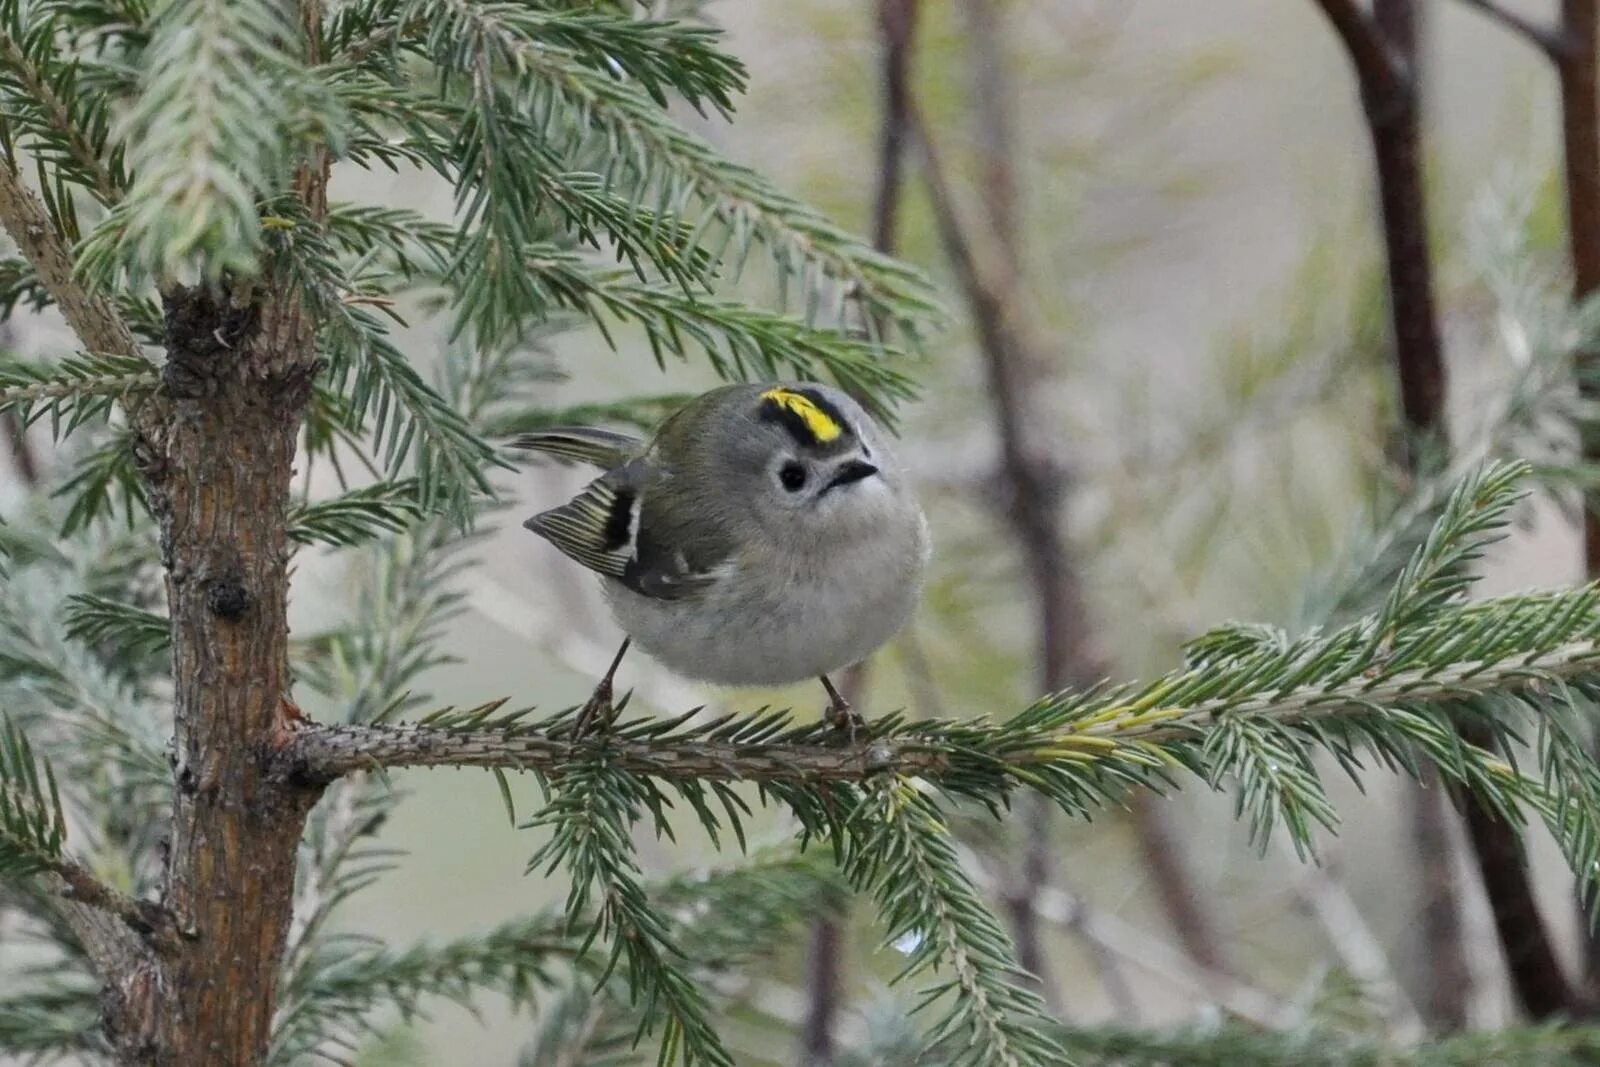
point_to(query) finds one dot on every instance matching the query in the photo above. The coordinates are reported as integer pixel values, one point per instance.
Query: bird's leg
(839, 714)
(598, 710)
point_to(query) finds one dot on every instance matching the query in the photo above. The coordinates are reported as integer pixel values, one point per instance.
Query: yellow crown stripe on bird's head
(818, 423)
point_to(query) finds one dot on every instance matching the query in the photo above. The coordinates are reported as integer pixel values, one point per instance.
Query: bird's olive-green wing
(603, 448)
(618, 527)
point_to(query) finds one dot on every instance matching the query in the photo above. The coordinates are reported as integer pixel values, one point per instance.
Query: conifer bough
(164, 176)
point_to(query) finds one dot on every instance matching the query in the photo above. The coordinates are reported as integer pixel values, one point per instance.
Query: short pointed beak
(853, 471)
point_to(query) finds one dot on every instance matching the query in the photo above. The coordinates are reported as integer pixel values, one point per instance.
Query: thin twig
(1380, 68)
(1359, 950)
(825, 954)
(144, 918)
(1133, 944)
(1552, 42)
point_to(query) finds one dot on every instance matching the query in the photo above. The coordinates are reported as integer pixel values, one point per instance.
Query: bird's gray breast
(783, 612)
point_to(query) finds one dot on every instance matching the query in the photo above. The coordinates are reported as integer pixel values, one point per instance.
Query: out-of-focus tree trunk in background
(990, 272)
(1033, 478)
(1576, 51)
(897, 21)
(1383, 48)
(1395, 123)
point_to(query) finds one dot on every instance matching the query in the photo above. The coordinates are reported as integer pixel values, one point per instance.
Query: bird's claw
(844, 718)
(597, 712)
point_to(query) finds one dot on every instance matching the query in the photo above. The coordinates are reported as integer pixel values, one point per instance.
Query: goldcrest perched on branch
(765, 536)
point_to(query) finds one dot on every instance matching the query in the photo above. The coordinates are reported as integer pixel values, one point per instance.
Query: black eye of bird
(793, 476)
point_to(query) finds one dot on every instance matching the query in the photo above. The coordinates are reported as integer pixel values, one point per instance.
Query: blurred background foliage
(1199, 259)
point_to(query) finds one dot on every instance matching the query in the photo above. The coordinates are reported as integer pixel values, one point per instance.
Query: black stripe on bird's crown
(811, 418)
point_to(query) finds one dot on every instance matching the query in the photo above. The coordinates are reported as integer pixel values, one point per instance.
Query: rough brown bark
(236, 381)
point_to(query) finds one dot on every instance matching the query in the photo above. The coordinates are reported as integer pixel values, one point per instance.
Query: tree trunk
(1576, 67)
(234, 386)
(1395, 123)
(1394, 120)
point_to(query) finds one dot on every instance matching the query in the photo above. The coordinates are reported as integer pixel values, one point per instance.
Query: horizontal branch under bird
(324, 752)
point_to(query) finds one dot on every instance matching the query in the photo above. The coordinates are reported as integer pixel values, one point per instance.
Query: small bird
(764, 536)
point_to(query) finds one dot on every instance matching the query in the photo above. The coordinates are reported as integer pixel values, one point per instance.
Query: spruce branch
(59, 1021)
(357, 516)
(590, 817)
(20, 286)
(224, 100)
(724, 918)
(644, 146)
(742, 343)
(97, 727)
(512, 188)
(32, 826)
(410, 599)
(661, 56)
(73, 390)
(409, 419)
(1239, 1046)
(124, 630)
(46, 96)
(1125, 729)
(640, 413)
(406, 600)
(899, 848)
(103, 481)
(1249, 705)
(93, 316)
(337, 996)
(32, 832)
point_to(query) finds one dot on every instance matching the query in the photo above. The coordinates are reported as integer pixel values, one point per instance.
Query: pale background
(1185, 161)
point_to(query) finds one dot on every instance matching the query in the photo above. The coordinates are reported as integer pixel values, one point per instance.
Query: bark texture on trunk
(218, 470)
